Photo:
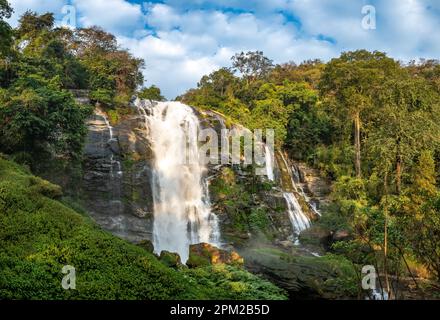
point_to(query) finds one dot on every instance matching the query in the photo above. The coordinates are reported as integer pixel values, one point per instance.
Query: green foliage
(5, 29)
(426, 240)
(232, 283)
(38, 116)
(259, 219)
(151, 93)
(240, 200)
(40, 235)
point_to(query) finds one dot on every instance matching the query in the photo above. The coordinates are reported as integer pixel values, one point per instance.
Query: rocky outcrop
(311, 183)
(204, 254)
(147, 245)
(170, 259)
(304, 277)
(117, 175)
(270, 200)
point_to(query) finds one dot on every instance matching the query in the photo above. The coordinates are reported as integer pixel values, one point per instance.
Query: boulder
(147, 245)
(204, 254)
(317, 236)
(304, 277)
(341, 235)
(170, 259)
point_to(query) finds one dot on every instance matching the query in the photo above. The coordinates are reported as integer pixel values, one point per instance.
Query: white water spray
(269, 163)
(299, 220)
(182, 214)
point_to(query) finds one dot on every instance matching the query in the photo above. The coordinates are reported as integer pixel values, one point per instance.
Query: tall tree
(406, 122)
(151, 93)
(5, 29)
(351, 81)
(252, 65)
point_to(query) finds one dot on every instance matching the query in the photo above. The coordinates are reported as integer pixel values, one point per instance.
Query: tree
(308, 71)
(252, 65)
(218, 82)
(351, 81)
(37, 117)
(5, 29)
(114, 75)
(31, 24)
(426, 241)
(406, 122)
(151, 93)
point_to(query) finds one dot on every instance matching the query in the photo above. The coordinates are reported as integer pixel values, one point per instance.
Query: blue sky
(183, 40)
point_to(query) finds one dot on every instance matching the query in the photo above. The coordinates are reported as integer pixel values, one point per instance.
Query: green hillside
(39, 235)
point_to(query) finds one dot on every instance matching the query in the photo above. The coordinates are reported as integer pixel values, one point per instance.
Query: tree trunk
(398, 168)
(385, 241)
(357, 144)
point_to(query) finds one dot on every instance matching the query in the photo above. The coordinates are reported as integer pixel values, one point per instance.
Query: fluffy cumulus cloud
(183, 40)
(116, 16)
(40, 6)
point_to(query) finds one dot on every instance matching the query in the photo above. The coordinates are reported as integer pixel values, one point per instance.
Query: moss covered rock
(147, 245)
(204, 254)
(329, 277)
(170, 259)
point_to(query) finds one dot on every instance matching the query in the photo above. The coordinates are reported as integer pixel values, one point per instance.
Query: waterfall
(182, 214)
(300, 189)
(116, 192)
(111, 140)
(299, 220)
(289, 171)
(269, 163)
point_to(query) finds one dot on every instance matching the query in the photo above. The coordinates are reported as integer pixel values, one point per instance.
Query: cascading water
(116, 191)
(299, 220)
(300, 189)
(112, 157)
(182, 214)
(269, 163)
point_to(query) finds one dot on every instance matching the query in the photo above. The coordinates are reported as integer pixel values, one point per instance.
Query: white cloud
(116, 16)
(189, 44)
(183, 40)
(39, 6)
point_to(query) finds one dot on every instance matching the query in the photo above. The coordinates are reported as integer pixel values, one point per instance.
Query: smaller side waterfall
(299, 220)
(115, 168)
(111, 140)
(269, 163)
(312, 205)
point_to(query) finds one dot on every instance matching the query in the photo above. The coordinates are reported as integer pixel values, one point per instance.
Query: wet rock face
(314, 186)
(303, 277)
(271, 200)
(116, 176)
